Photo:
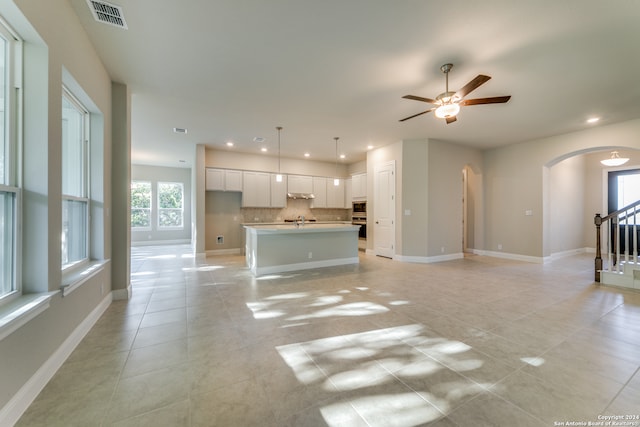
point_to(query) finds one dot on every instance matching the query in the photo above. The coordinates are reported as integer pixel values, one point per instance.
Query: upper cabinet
(278, 192)
(319, 192)
(223, 180)
(256, 189)
(359, 186)
(300, 184)
(335, 194)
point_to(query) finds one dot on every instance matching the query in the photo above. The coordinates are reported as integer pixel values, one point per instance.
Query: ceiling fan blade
(416, 115)
(419, 98)
(493, 100)
(472, 85)
(451, 119)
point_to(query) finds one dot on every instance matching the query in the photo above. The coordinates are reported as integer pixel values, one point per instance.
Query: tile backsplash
(294, 209)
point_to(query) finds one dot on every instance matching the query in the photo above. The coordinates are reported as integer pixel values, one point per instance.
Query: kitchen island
(288, 247)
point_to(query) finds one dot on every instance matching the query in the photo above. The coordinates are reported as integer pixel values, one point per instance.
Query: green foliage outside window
(140, 204)
(170, 204)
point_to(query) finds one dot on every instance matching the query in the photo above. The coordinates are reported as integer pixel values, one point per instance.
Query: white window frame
(83, 196)
(160, 209)
(10, 182)
(150, 209)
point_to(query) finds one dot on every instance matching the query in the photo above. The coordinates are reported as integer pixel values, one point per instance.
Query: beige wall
(517, 179)
(53, 54)
(253, 162)
(445, 166)
(567, 191)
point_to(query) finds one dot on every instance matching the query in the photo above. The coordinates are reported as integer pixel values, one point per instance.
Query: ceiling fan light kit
(447, 104)
(447, 110)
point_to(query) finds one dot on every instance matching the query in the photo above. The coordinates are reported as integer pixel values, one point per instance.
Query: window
(170, 205)
(628, 189)
(75, 173)
(141, 204)
(9, 191)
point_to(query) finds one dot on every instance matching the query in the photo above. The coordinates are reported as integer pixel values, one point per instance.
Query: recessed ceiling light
(369, 147)
(263, 149)
(593, 120)
(342, 156)
(307, 154)
(229, 144)
(180, 130)
(259, 139)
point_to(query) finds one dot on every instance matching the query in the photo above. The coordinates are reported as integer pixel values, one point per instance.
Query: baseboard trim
(122, 294)
(514, 257)
(559, 255)
(259, 271)
(161, 242)
(13, 410)
(233, 251)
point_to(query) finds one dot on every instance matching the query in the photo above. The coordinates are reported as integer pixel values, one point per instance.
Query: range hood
(300, 195)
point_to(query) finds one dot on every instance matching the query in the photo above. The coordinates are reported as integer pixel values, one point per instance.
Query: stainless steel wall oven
(359, 217)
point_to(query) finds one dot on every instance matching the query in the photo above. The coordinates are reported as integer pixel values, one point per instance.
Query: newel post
(598, 261)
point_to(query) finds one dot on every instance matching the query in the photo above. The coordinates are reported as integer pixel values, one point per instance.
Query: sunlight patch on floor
(353, 309)
(294, 295)
(533, 361)
(204, 268)
(390, 410)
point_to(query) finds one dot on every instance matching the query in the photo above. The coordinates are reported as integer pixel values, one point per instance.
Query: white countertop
(313, 227)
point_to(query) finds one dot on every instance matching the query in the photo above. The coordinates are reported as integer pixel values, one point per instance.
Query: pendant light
(614, 160)
(279, 175)
(336, 180)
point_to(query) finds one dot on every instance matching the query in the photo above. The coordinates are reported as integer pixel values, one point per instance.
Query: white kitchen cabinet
(278, 192)
(319, 192)
(299, 184)
(256, 189)
(233, 180)
(359, 186)
(348, 193)
(335, 193)
(223, 180)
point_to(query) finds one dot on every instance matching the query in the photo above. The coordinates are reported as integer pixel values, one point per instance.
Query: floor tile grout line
(621, 389)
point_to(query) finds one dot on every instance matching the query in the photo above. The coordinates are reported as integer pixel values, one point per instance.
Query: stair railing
(622, 239)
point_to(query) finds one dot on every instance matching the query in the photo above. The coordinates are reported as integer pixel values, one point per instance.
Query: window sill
(74, 279)
(19, 312)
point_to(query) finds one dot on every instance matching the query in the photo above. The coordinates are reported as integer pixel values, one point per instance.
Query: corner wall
(515, 183)
(55, 44)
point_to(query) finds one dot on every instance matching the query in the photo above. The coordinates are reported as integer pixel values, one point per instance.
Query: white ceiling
(232, 70)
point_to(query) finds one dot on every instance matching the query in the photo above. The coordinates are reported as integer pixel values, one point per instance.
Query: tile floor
(473, 342)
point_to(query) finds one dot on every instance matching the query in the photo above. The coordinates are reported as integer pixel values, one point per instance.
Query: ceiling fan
(447, 104)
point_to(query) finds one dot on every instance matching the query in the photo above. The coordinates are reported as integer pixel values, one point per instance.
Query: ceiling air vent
(107, 13)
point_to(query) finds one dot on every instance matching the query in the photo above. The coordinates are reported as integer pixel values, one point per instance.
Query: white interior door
(384, 209)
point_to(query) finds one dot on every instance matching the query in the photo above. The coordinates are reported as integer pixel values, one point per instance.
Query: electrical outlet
(220, 240)
(310, 255)
(442, 249)
(499, 246)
